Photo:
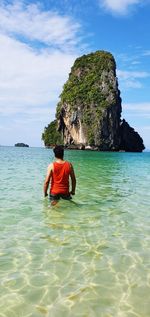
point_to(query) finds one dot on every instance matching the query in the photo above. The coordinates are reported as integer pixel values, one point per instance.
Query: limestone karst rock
(89, 111)
(130, 139)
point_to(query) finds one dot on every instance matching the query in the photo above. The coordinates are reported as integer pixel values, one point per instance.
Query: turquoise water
(88, 257)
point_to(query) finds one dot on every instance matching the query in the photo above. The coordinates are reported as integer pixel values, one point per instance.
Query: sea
(89, 257)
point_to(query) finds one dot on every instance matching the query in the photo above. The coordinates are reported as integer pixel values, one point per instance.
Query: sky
(39, 42)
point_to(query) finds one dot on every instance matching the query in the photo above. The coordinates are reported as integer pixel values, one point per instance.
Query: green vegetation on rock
(51, 136)
(88, 87)
(85, 79)
(21, 145)
(90, 83)
(89, 111)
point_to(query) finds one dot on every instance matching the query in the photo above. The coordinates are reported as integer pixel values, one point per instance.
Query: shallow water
(88, 257)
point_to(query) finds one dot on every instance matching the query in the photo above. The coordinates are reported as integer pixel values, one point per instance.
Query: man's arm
(73, 181)
(47, 179)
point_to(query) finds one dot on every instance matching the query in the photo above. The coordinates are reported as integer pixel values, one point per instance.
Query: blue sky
(39, 42)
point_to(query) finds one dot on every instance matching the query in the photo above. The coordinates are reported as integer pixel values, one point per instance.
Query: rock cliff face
(130, 140)
(90, 107)
(89, 111)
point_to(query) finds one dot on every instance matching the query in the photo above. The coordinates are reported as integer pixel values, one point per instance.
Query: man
(58, 175)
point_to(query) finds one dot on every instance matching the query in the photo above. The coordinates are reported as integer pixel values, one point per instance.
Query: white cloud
(132, 74)
(34, 24)
(119, 6)
(138, 116)
(135, 62)
(37, 51)
(138, 106)
(130, 79)
(143, 108)
(146, 128)
(30, 79)
(146, 53)
(25, 75)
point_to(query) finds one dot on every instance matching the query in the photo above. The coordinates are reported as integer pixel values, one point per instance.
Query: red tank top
(60, 178)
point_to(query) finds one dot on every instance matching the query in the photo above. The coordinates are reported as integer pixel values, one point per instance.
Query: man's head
(59, 151)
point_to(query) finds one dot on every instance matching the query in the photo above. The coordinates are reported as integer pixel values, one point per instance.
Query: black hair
(59, 151)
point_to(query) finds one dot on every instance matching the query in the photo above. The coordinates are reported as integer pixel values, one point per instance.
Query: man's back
(58, 175)
(60, 178)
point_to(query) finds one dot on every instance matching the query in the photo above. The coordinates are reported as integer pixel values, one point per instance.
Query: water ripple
(88, 257)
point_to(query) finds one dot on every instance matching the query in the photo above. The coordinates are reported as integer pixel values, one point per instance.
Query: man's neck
(58, 160)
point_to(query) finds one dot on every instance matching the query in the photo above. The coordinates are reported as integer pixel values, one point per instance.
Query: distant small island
(21, 145)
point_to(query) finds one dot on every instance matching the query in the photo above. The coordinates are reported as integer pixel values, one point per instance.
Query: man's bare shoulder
(50, 167)
(70, 165)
